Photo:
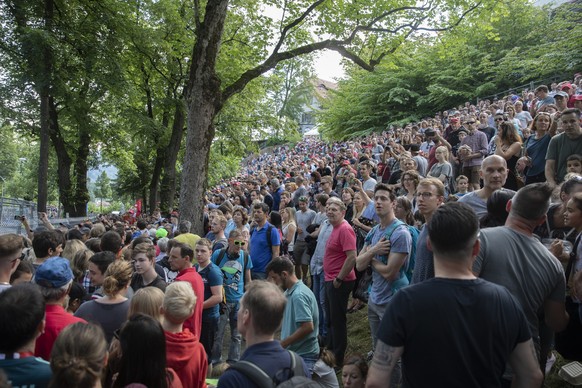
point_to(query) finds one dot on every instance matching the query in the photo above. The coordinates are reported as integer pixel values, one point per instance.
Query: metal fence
(530, 86)
(11, 209)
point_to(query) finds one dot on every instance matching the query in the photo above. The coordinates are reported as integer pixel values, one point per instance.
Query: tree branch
(294, 23)
(338, 45)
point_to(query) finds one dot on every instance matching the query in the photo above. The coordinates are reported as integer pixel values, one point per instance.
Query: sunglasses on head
(238, 242)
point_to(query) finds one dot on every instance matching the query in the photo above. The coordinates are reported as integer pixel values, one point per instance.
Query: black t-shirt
(455, 333)
(137, 283)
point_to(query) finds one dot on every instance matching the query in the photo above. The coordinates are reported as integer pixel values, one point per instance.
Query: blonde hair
(148, 301)
(179, 302)
(117, 277)
(72, 247)
(446, 152)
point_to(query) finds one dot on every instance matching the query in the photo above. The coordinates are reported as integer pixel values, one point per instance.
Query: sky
(328, 66)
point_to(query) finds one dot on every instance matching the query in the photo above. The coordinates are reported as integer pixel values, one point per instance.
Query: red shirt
(56, 320)
(194, 323)
(341, 240)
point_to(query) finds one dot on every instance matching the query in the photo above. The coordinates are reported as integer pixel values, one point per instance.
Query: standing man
(181, 261)
(386, 250)
(563, 145)
(477, 141)
(305, 217)
(276, 191)
(512, 257)
(55, 279)
(262, 247)
(260, 314)
(338, 267)
(472, 327)
(368, 182)
(430, 195)
(494, 174)
(301, 319)
(236, 266)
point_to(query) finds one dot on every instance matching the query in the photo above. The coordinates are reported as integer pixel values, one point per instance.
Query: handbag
(362, 290)
(569, 342)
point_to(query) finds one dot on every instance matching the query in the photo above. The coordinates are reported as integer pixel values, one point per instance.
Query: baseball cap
(566, 86)
(561, 94)
(53, 273)
(161, 232)
(430, 132)
(577, 97)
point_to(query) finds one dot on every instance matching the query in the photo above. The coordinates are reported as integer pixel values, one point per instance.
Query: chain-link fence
(519, 89)
(11, 210)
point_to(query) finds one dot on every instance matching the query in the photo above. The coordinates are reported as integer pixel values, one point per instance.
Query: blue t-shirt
(301, 307)
(400, 242)
(261, 253)
(233, 269)
(211, 276)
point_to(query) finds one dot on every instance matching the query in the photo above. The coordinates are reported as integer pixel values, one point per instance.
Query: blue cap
(54, 273)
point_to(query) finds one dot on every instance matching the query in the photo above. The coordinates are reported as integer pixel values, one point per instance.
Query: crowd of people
(460, 234)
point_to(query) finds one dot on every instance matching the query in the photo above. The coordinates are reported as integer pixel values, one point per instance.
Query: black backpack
(262, 380)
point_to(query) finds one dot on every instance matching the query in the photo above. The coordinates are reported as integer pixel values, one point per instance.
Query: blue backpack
(406, 270)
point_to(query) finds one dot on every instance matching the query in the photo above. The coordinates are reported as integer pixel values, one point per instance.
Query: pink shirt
(341, 240)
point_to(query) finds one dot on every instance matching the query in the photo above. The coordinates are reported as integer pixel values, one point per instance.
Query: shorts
(472, 173)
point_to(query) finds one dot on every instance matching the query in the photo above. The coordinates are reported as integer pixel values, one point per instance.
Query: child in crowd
(462, 186)
(574, 164)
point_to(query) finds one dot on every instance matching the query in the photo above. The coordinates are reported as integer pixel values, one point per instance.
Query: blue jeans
(258, 275)
(309, 363)
(229, 316)
(317, 284)
(375, 314)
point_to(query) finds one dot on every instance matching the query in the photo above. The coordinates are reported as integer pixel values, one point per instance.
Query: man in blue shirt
(262, 248)
(235, 265)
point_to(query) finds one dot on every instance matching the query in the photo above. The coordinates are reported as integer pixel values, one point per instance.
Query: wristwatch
(339, 280)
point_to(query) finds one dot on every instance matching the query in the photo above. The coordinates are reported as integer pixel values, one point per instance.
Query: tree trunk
(45, 116)
(81, 195)
(63, 161)
(156, 173)
(204, 101)
(168, 187)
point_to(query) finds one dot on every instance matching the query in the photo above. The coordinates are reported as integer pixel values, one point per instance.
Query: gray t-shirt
(478, 204)
(524, 266)
(316, 265)
(304, 219)
(424, 263)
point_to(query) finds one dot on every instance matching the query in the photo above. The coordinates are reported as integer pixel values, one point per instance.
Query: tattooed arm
(385, 358)
(524, 362)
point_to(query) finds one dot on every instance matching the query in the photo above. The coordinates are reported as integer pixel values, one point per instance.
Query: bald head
(494, 172)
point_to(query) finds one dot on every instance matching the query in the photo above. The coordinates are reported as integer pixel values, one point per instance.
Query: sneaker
(369, 356)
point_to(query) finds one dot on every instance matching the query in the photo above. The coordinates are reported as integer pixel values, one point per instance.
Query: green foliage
(498, 48)
(102, 188)
(222, 164)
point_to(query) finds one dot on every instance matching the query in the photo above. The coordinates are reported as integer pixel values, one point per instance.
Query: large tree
(363, 32)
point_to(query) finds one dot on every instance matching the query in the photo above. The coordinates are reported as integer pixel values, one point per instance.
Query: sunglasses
(470, 122)
(500, 119)
(237, 242)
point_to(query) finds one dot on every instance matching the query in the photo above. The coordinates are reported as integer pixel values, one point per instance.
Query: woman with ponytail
(78, 357)
(110, 311)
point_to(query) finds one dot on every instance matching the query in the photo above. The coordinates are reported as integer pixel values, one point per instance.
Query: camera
(18, 218)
